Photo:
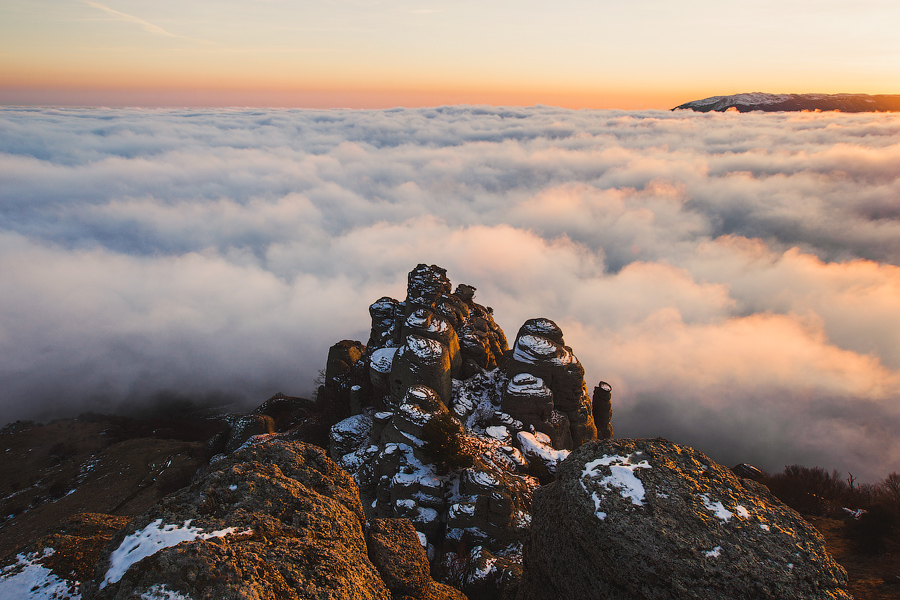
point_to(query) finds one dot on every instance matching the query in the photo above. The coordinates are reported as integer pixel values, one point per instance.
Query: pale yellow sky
(369, 53)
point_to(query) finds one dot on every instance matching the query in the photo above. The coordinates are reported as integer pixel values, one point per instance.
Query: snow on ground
(27, 578)
(150, 540)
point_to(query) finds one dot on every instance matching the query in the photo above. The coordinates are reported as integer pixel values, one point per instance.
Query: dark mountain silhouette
(796, 102)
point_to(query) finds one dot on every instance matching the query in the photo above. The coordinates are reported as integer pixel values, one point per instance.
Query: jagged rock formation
(451, 430)
(796, 102)
(542, 363)
(679, 526)
(275, 519)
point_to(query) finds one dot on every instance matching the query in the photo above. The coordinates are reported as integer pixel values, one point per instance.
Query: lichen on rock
(685, 527)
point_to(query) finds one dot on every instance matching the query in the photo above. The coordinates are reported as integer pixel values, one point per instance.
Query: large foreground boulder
(650, 519)
(275, 519)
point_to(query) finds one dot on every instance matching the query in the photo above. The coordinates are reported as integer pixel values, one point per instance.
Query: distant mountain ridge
(796, 102)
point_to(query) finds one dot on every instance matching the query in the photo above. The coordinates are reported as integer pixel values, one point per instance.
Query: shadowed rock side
(640, 519)
(275, 519)
(452, 430)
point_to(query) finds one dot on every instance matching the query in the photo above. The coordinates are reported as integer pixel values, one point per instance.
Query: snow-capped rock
(795, 102)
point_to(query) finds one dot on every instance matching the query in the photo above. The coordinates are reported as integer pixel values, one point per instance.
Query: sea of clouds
(733, 276)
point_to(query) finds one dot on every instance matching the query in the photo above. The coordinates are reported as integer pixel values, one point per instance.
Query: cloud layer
(735, 277)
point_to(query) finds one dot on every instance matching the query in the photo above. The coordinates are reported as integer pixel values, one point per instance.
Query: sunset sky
(374, 54)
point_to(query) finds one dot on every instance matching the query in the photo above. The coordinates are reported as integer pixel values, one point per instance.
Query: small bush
(443, 442)
(889, 491)
(811, 491)
(872, 530)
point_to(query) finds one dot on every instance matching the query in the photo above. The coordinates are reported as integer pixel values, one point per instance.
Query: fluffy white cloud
(733, 276)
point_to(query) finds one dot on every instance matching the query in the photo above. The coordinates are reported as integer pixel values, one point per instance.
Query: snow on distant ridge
(795, 102)
(751, 98)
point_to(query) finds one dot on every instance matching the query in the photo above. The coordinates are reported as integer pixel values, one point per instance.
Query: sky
(734, 277)
(384, 53)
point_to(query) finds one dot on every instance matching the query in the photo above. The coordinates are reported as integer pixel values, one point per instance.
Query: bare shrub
(811, 491)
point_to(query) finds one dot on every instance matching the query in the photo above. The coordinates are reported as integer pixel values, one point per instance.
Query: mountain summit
(796, 102)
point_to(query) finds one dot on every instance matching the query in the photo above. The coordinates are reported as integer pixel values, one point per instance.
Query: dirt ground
(49, 473)
(872, 577)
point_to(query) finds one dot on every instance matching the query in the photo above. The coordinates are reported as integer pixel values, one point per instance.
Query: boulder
(483, 575)
(346, 372)
(348, 435)
(482, 342)
(581, 423)
(546, 389)
(385, 313)
(541, 351)
(285, 411)
(426, 323)
(273, 520)
(380, 363)
(420, 405)
(397, 553)
(527, 399)
(420, 361)
(247, 426)
(639, 519)
(425, 285)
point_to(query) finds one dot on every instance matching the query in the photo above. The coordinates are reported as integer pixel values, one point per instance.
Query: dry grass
(872, 577)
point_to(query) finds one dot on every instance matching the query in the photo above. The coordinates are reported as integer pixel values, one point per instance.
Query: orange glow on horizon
(335, 97)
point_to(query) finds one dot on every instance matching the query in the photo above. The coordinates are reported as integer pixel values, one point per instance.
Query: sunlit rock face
(425, 323)
(273, 519)
(688, 527)
(453, 430)
(420, 361)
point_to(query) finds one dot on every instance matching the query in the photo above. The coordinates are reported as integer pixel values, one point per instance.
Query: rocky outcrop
(420, 361)
(678, 526)
(540, 363)
(275, 519)
(452, 430)
(247, 426)
(285, 411)
(602, 409)
(346, 378)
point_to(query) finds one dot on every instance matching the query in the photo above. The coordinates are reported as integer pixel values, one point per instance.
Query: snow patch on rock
(621, 478)
(717, 508)
(150, 540)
